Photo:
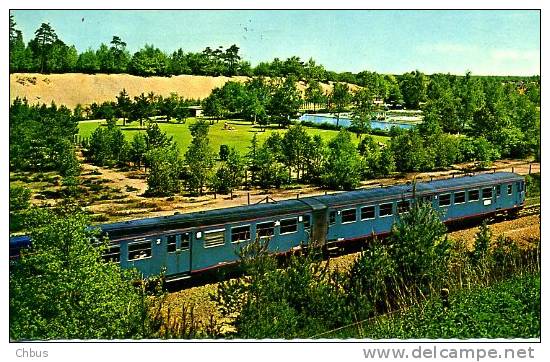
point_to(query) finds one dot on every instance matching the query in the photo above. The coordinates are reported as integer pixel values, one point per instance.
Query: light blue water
(346, 122)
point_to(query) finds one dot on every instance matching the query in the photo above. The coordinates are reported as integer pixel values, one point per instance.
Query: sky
(485, 42)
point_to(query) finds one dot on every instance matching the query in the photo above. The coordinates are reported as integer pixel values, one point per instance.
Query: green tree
(343, 166)
(124, 105)
(120, 56)
(230, 174)
(149, 61)
(362, 112)
(199, 158)
(62, 289)
(165, 169)
(420, 249)
(293, 149)
(340, 99)
(478, 150)
(314, 93)
(19, 54)
(88, 62)
(315, 157)
(413, 88)
(410, 153)
(394, 92)
(155, 137)
(138, 149)
(42, 43)
(20, 201)
(285, 101)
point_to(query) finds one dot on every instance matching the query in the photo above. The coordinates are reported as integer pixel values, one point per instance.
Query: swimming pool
(346, 121)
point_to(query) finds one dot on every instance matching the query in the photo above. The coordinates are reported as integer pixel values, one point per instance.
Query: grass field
(239, 138)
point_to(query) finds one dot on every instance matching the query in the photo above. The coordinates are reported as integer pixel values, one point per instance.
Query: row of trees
(140, 108)
(46, 52)
(283, 158)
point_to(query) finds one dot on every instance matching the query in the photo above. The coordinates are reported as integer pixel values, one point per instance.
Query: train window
(214, 238)
(307, 222)
(487, 193)
(265, 229)
(171, 243)
(473, 195)
(509, 189)
(403, 206)
(444, 200)
(185, 241)
(332, 217)
(139, 249)
(367, 212)
(498, 190)
(386, 209)
(289, 226)
(349, 215)
(112, 253)
(460, 197)
(240, 233)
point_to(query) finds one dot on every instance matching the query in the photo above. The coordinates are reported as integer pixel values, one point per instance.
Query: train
(184, 245)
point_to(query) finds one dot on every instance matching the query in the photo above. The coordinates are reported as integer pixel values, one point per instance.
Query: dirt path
(132, 204)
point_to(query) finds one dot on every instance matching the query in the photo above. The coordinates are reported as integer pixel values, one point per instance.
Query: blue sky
(485, 42)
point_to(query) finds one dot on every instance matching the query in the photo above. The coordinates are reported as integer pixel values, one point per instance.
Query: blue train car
(195, 242)
(363, 213)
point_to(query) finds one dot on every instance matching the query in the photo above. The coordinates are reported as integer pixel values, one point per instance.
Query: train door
(178, 253)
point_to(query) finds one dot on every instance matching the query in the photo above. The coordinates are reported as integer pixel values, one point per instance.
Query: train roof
(422, 188)
(224, 215)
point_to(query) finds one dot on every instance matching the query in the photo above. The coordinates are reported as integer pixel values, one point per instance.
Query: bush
(420, 249)
(224, 152)
(301, 300)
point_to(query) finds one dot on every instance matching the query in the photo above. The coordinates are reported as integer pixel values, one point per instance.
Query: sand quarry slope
(75, 88)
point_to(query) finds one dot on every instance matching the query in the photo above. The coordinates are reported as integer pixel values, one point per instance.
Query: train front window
(171, 243)
(265, 229)
(444, 200)
(349, 215)
(240, 233)
(487, 193)
(289, 226)
(139, 249)
(307, 222)
(386, 209)
(367, 212)
(460, 197)
(509, 189)
(473, 195)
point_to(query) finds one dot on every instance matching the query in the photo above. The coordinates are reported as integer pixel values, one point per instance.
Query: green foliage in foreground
(61, 288)
(507, 309)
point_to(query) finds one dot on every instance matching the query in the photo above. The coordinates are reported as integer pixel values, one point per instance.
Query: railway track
(530, 210)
